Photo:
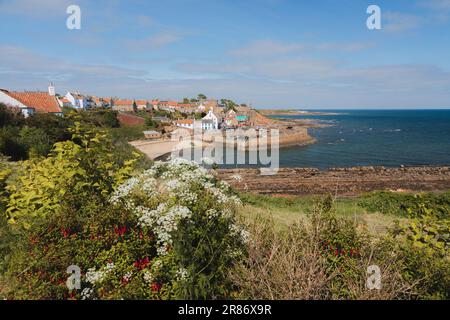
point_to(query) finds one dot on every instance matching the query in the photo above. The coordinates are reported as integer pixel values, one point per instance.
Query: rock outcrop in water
(340, 181)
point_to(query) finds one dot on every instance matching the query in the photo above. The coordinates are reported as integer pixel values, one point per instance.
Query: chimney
(51, 89)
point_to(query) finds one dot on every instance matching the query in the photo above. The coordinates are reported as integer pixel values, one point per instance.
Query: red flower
(145, 262)
(33, 240)
(156, 287)
(120, 231)
(65, 232)
(142, 263)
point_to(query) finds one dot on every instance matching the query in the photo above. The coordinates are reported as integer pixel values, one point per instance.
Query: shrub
(10, 116)
(425, 241)
(166, 233)
(35, 141)
(100, 117)
(6, 236)
(55, 127)
(84, 168)
(190, 217)
(10, 144)
(150, 123)
(56, 207)
(128, 133)
(399, 203)
(22, 138)
(325, 258)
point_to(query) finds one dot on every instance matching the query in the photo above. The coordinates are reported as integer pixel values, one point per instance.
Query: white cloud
(273, 82)
(36, 8)
(159, 40)
(328, 83)
(435, 4)
(17, 60)
(266, 48)
(400, 22)
(145, 21)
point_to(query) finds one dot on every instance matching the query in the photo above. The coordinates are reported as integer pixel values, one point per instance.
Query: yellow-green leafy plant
(425, 241)
(58, 208)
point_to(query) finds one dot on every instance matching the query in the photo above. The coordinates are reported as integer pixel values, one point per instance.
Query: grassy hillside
(287, 211)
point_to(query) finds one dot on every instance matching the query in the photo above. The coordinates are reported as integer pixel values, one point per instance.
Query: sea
(388, 138)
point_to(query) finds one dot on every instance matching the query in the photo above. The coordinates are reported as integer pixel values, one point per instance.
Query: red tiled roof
(186, 105)
(185, 121)
(169, 103)
(41, 101)
(141, 102)
(123, 103)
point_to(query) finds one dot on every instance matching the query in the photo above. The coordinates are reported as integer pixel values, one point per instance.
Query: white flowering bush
(187, 215)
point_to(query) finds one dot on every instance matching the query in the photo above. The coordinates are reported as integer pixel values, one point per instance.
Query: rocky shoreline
(338, 181)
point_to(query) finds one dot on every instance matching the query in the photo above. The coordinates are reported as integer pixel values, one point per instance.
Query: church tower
(51, 89)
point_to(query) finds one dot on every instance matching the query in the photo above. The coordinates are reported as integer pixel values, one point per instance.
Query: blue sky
(271, 53)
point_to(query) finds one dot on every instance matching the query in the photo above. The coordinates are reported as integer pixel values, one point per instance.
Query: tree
(36, 141)
(10, 116)
(201, 96)
(150, 123)
(229, 104)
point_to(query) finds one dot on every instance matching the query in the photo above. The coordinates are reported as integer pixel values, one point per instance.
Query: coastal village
(165, 116)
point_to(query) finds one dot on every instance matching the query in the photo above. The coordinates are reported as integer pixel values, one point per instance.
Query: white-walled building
(77, 100)
(213, 118)
(8, 100)
(208, 125)
(32, 102)
(201, 108)
(186, 123)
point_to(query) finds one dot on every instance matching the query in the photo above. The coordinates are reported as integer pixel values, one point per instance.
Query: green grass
(401, 204)
(288, 211)
(121, 136)
(128, 133)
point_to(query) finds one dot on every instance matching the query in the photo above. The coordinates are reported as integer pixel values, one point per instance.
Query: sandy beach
(154, 149)
(294, 136)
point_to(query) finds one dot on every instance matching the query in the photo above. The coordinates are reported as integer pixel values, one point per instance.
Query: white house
(231, 113)
(186, 123)
(208, 124)
(10, 101)
(214, 119)
(32, 102)
(201, 108)
(143, 105)
(77, 100)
